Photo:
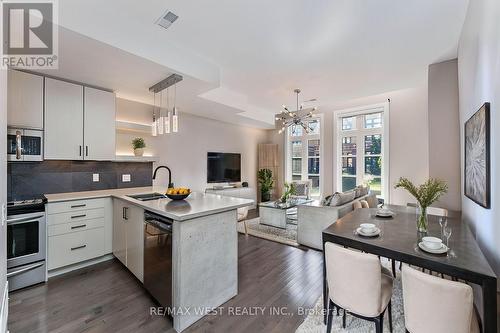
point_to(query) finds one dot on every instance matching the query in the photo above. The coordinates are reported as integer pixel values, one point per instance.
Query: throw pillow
(362, 190)
(364, 204)
(356, 205)
(326, 201)
(340, 199)
(372, 201)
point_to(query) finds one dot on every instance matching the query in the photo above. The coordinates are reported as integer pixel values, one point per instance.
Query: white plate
(384, 214)
(376, 232)
(441, 250)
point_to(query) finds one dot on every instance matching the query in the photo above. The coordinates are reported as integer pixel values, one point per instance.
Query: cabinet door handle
(77, 216)
(78, 226)
(78, 247)
(19, 149)
(125, 210)
(78, 206)
(80, 153)
(86, 150)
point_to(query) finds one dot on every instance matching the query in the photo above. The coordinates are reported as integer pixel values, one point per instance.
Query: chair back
(302, 188)
(354, 280)
(435, 305)
(432, 210)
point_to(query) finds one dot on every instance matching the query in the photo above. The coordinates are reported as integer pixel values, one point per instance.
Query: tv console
(235, 191)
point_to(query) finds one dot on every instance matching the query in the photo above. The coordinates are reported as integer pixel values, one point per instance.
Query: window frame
(305, 153)
(360, 132)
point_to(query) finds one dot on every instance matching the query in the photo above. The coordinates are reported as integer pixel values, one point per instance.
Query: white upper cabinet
(63, 120)
(79, 122)
(25, 100)
(99, 125)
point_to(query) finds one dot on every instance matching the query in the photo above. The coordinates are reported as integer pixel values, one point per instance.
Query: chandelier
(298, 117)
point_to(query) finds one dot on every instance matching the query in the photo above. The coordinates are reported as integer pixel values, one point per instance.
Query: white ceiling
(245, 57)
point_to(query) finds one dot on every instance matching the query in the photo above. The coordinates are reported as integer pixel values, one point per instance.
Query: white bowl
(368, 227)
(433, 243)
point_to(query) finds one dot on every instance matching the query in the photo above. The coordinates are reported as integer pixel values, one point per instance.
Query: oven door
(26, 242)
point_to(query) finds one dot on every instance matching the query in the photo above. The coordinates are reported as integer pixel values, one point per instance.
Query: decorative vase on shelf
(422, 221)
(138, 152)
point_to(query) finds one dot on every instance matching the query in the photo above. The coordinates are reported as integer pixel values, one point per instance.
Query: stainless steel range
(26, 243)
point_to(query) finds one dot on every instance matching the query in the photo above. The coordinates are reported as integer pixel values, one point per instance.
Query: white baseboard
(67, 269)
(4, 311)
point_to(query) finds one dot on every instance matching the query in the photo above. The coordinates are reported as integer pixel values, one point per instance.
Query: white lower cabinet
(78, 231)
(128, 236)
(75, 247)
(119, 232)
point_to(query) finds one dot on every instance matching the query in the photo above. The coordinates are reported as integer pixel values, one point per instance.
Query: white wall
(444, 131)
(133, 112)
(185, 152)
(3, 187)
(409, 150)
(479, 82)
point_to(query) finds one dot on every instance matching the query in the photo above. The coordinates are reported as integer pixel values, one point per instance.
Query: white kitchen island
(204, 251)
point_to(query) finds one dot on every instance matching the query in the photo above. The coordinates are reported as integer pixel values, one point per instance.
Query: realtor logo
(29, 34)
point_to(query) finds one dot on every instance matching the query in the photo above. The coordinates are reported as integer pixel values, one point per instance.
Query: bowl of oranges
(178, 193)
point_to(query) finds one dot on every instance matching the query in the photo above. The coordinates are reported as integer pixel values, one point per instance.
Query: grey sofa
(313, 218)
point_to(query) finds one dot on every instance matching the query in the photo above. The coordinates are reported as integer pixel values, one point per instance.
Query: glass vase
(422, 220)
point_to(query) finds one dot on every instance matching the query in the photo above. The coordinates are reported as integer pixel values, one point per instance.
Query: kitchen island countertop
(196, 205)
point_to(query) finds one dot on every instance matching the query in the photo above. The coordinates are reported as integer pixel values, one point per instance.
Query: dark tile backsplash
(32, 179)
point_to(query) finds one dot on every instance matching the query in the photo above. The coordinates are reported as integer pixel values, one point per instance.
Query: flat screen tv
(223, 167)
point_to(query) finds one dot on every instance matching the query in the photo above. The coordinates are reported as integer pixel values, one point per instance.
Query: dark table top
(399, 240)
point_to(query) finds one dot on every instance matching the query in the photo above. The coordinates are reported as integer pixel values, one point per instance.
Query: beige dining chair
(437, 211)
(358, 284)
(435, 305)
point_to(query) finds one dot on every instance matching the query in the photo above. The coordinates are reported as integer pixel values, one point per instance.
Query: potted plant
(289, 191)
(138, 144)
(425, 194)
(266, 182)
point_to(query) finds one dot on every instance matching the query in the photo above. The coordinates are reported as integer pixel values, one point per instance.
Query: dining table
(398, 240)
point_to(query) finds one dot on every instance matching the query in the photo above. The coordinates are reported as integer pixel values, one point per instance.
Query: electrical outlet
(126, 178)
(95, 177)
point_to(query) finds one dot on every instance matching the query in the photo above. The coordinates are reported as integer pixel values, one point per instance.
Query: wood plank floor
(107, 298)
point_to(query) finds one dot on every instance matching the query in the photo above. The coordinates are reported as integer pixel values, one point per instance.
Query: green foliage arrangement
(138, 143)
(425, 194)
(289, 191)
(266, 183)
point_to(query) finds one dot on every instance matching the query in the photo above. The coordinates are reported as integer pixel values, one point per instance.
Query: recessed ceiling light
(167, 19)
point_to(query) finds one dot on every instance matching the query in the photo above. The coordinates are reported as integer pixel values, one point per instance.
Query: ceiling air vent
(167, 19)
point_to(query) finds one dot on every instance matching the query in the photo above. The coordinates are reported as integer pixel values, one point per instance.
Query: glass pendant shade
(175, 120)
(167, 123)
(161, 122)
(154, 127)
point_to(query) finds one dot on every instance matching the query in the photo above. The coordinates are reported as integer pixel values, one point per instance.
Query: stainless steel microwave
(24, 145)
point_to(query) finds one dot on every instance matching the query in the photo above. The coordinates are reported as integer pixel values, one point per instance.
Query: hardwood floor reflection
(107, 298)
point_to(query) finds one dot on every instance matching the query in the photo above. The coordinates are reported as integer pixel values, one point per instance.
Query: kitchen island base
(205, 266)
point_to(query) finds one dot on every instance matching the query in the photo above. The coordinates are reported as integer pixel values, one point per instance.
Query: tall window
(304, 154)
(362, 150)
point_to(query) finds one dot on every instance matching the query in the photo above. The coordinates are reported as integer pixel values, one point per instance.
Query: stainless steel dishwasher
(158, 258)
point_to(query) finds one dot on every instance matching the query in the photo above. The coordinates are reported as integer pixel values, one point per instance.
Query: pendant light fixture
(175, 113)
(161, 119)
(154, 124)
(165, 121)
(167, 117)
